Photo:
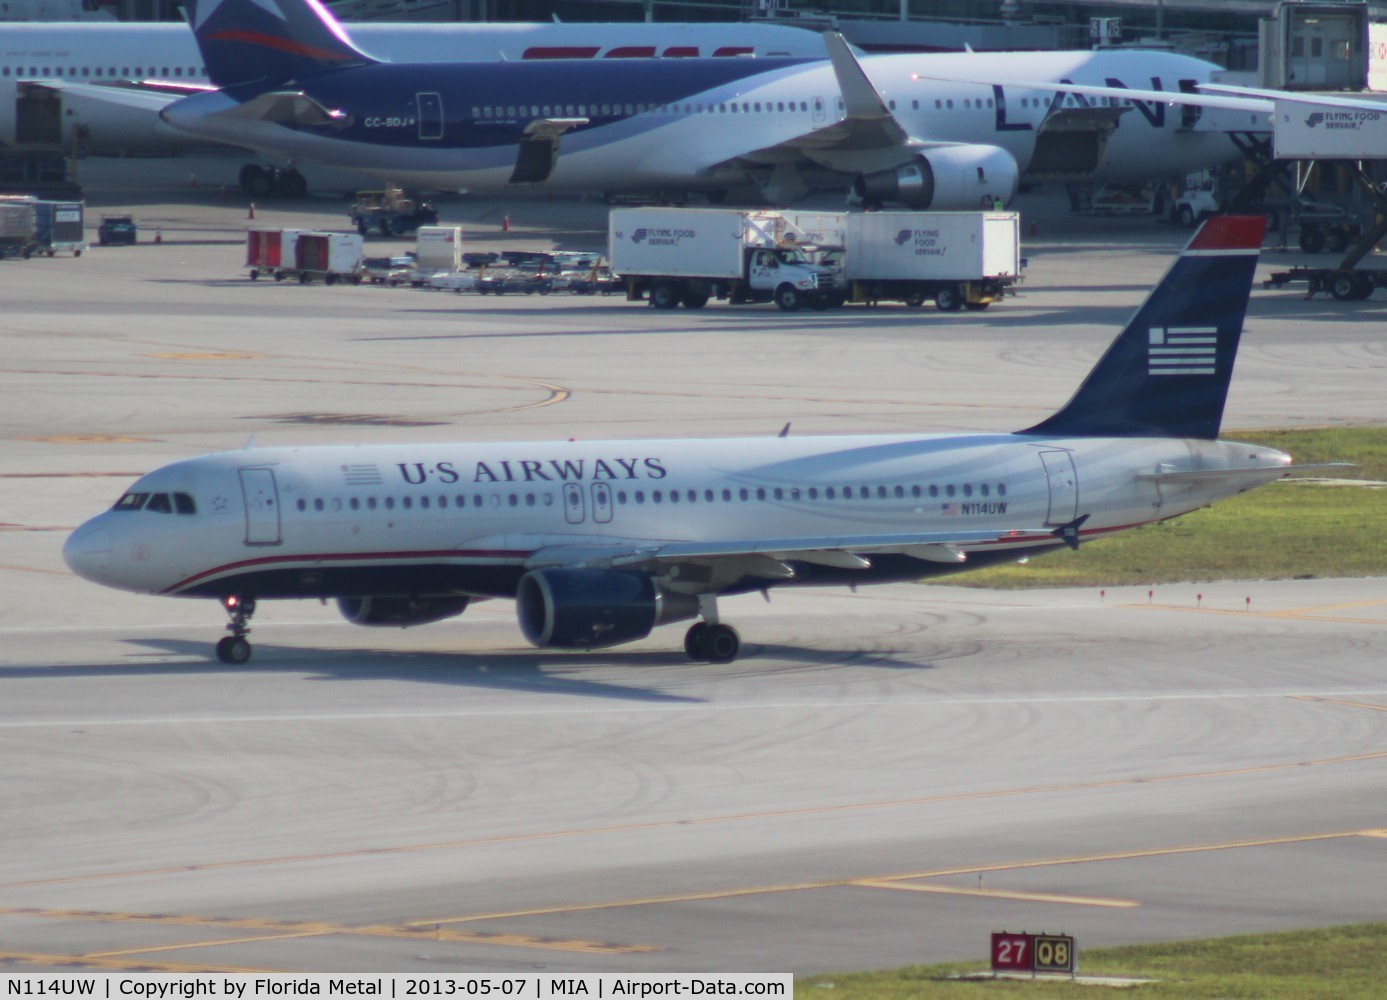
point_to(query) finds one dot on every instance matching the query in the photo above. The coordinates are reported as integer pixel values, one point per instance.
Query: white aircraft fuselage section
(629, 144)
(285, 522)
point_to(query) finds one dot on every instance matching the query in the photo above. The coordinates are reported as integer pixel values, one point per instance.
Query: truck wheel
(1311, 239)
(695, 298)
(1185, 216)
(914, 301)
(976, 306)
(1336, 240)
(787, 298)
(329, 278)
(665, 295)
(948, 299)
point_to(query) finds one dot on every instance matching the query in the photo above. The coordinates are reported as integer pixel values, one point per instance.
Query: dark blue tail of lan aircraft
(1167, 374)
(270, 42)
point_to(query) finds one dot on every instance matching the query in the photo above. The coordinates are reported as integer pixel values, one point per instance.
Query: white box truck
(958, 259)
(673, 256)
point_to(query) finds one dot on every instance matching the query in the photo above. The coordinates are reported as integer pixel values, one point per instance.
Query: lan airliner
(599, 542)
(293, 83)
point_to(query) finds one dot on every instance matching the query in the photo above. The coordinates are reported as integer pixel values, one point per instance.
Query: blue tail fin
(270, 42)
(1167, 373)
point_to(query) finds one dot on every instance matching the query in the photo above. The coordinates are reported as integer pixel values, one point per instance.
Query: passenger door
(262, 506)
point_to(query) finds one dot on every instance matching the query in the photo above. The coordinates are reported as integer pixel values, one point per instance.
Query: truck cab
(785, 275)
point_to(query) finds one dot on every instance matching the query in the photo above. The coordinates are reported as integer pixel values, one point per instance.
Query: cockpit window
(183, 503)
(159, 503)
(131, 501)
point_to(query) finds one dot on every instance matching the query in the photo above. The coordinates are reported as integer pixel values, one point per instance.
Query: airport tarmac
(883, 778)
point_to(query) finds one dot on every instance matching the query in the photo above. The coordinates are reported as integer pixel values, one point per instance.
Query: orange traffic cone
(158, 236)
(505, 223)
(251, 213)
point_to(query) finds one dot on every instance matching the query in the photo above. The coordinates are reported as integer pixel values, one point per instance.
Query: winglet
(860, 96)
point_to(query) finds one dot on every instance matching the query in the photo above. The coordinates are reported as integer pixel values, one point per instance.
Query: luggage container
(271, 251)
(60, 227)
(17, 226)
(331, 257)
(439, 248)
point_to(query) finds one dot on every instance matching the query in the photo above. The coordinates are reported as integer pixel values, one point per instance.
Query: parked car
(116, 230)
(388, 270)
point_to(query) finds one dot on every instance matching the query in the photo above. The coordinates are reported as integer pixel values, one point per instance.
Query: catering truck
(674, 256)
(961, 260)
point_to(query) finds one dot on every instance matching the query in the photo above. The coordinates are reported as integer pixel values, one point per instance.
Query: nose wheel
(235, 648)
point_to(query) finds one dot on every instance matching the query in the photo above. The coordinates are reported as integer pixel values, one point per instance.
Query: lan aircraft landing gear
(234, 648)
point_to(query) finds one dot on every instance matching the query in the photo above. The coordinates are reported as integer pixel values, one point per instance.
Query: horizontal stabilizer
(1237, 477)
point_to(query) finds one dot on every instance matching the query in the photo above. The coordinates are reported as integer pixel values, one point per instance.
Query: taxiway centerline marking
(1341, 701)
(1295, 615)
(282, 929)
(907, 876)
(1029, 897)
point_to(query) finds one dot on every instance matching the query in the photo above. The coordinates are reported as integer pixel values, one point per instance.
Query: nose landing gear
(234, 648)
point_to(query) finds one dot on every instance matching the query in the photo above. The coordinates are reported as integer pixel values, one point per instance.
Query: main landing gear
(709, 641)
(235, 648)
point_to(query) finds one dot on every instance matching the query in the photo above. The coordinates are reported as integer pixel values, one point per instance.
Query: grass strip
(1339, 963)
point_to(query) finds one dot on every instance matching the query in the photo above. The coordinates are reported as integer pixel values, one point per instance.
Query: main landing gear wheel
(712, 643)
(235, 648)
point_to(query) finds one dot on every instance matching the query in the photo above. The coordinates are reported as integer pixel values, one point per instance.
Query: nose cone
(87, 551)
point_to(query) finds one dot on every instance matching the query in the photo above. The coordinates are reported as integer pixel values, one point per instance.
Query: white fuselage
(301, 521)
(705, 139)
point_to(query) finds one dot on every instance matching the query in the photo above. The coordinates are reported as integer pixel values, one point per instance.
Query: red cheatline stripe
(1230, 232)
(282, 44)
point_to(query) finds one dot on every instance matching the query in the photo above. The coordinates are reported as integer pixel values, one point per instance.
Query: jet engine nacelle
(399, 612)
(593, 608)
(948, 179)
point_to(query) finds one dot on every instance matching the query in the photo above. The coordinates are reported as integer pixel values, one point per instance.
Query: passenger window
(159, 503)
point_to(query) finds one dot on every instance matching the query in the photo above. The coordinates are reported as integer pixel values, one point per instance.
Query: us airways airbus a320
(294, 84)
(599, 542)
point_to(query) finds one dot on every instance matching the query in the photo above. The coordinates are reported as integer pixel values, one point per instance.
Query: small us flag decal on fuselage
(1182, 350)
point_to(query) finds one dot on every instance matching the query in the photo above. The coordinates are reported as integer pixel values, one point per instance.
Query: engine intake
(951, 178)
(594, 608)
(399, 612)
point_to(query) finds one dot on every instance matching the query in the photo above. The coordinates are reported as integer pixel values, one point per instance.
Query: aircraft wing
(1255, 101)
(729, 560)
(867, 138)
